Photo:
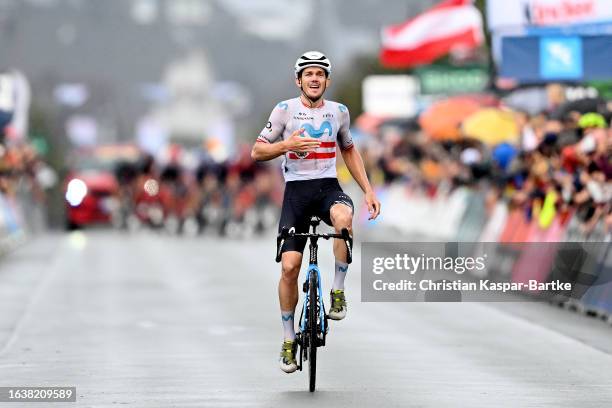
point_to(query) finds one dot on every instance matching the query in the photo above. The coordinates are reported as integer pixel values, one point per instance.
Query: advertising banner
(390, 95)
(445, 80)
(502, 14)
(557, 58)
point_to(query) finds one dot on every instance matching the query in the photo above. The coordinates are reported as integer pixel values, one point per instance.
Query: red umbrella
(442, 120)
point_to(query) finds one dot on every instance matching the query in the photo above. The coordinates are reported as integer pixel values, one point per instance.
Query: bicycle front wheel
(312, 330)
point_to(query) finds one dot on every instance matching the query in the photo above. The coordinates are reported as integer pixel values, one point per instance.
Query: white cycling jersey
(328, 123)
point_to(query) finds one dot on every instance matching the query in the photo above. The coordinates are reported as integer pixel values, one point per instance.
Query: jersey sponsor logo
(283, 105)
(303, 116)
(317, 133)
(328, 116)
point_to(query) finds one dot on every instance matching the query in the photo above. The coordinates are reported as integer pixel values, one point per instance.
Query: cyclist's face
(313, 81)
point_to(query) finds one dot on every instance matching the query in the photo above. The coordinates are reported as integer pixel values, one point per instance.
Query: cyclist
(306, 130)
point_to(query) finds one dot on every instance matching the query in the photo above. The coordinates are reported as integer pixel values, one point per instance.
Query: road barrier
(462, 216)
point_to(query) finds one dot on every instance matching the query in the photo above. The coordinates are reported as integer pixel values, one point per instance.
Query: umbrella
(442, 120)
(503, 154)
(530, 100)
(585, 105)
(491, 126)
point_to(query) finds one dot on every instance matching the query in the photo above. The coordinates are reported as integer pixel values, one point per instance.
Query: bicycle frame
(314, 268)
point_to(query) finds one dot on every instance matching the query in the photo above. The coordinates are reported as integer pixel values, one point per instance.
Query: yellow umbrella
(491, 126)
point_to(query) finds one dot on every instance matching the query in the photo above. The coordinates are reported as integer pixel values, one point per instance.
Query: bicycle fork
(320, 305)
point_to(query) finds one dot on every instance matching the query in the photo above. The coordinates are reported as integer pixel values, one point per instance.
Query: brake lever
(280, 241)
(348, 240)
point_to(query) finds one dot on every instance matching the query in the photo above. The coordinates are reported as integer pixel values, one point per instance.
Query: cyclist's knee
(341, 216)
(291, 268)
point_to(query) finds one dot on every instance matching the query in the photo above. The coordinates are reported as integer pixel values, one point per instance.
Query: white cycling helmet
(312, 59)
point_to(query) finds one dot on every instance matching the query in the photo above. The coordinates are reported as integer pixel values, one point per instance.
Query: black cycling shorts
(304, 199)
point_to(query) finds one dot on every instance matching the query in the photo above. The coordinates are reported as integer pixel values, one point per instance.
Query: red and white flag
(451, 25)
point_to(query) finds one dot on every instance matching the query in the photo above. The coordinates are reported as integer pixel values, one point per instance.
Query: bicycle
(313, 320)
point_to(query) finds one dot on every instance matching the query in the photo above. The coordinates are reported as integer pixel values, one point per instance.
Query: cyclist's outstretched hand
(373, 204)
(298, 143)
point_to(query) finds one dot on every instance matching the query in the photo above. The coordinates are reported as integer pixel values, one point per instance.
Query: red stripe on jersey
(261, 140)
(327, 144)
(314, 155)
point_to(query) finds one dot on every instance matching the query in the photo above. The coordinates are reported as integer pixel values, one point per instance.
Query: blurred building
(120, 50)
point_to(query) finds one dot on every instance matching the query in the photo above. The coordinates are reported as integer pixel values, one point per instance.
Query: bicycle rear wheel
(312, 330)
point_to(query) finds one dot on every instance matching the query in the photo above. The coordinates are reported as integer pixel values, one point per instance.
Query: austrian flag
(452, 24)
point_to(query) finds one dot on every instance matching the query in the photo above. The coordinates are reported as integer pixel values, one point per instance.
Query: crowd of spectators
(21, 164)
(25, 179)
(557, 166)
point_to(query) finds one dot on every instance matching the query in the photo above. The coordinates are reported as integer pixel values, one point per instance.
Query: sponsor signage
(561, 58)
(390, 95)
(556, 58)
(503, 14)
(436, 80)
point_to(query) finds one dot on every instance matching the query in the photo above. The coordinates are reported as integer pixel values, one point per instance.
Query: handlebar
(287, 233)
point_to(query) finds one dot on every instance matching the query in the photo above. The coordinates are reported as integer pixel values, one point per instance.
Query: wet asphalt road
(147, 320)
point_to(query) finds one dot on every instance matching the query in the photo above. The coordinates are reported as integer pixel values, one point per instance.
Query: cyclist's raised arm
(263, 151)
(265, 147)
